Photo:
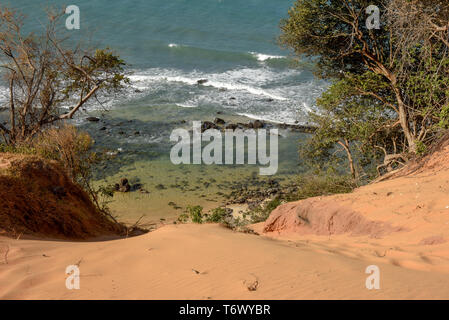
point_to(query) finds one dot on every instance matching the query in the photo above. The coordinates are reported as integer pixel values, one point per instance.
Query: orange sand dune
(317, 248)
(202, 262)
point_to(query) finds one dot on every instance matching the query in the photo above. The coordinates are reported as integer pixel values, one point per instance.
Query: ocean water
(169, 45)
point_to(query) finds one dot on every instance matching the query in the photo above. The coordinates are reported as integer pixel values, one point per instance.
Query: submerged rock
(206, 125)
(258, 124)
(219, 121)
(231, 126)
(123, 186)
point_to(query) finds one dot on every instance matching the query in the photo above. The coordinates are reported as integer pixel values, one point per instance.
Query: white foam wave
(248, 80)
(173, 45)
(264, 57)
(280, 118)
(185, 105)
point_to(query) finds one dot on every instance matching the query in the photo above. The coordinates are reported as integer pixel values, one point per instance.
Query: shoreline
(283, 258)
(161, 181)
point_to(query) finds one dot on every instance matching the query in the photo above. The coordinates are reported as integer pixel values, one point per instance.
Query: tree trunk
(12, 134)
(403, 119)
(345, 146)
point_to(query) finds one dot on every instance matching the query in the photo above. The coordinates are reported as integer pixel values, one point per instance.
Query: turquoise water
(169, 45)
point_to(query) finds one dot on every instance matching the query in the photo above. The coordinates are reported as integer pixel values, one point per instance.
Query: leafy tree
(44, 75)
(388, 90)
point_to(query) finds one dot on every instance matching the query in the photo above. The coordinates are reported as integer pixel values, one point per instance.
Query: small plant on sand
(261, 214)
(183, 218)
(216, 215)
(195, 213)
(319, 185)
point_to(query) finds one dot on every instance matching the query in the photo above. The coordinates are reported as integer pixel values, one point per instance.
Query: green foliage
(346, 119)
(183, 218)
(195, 213)
(444, 117)
(262, 213)
(321, 185)
(389, 86)
(322, 29)
(422, 148)
(216, 215)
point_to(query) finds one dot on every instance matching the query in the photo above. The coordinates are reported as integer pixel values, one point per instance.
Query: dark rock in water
(270, 100)
(92, 119)
(304, 129)
(219, 112)
(297, 127)
(137, 91)
(202, 81)
(245, 125)
(219, 121)
(206, 125)
(231, 126)
(102, 128)
(123, 186)
(258, 124)
(121, 132)
(232, 98)
(136, 133)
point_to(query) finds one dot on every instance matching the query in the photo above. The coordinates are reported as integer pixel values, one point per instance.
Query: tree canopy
(389, 86)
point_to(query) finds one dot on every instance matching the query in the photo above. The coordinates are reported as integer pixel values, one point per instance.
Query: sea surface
(169, 45)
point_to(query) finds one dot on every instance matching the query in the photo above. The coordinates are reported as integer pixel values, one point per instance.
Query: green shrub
(217, 215)
(421, 148)
(183, 218)
(261, 214)
(320, 185)
(195, 213)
